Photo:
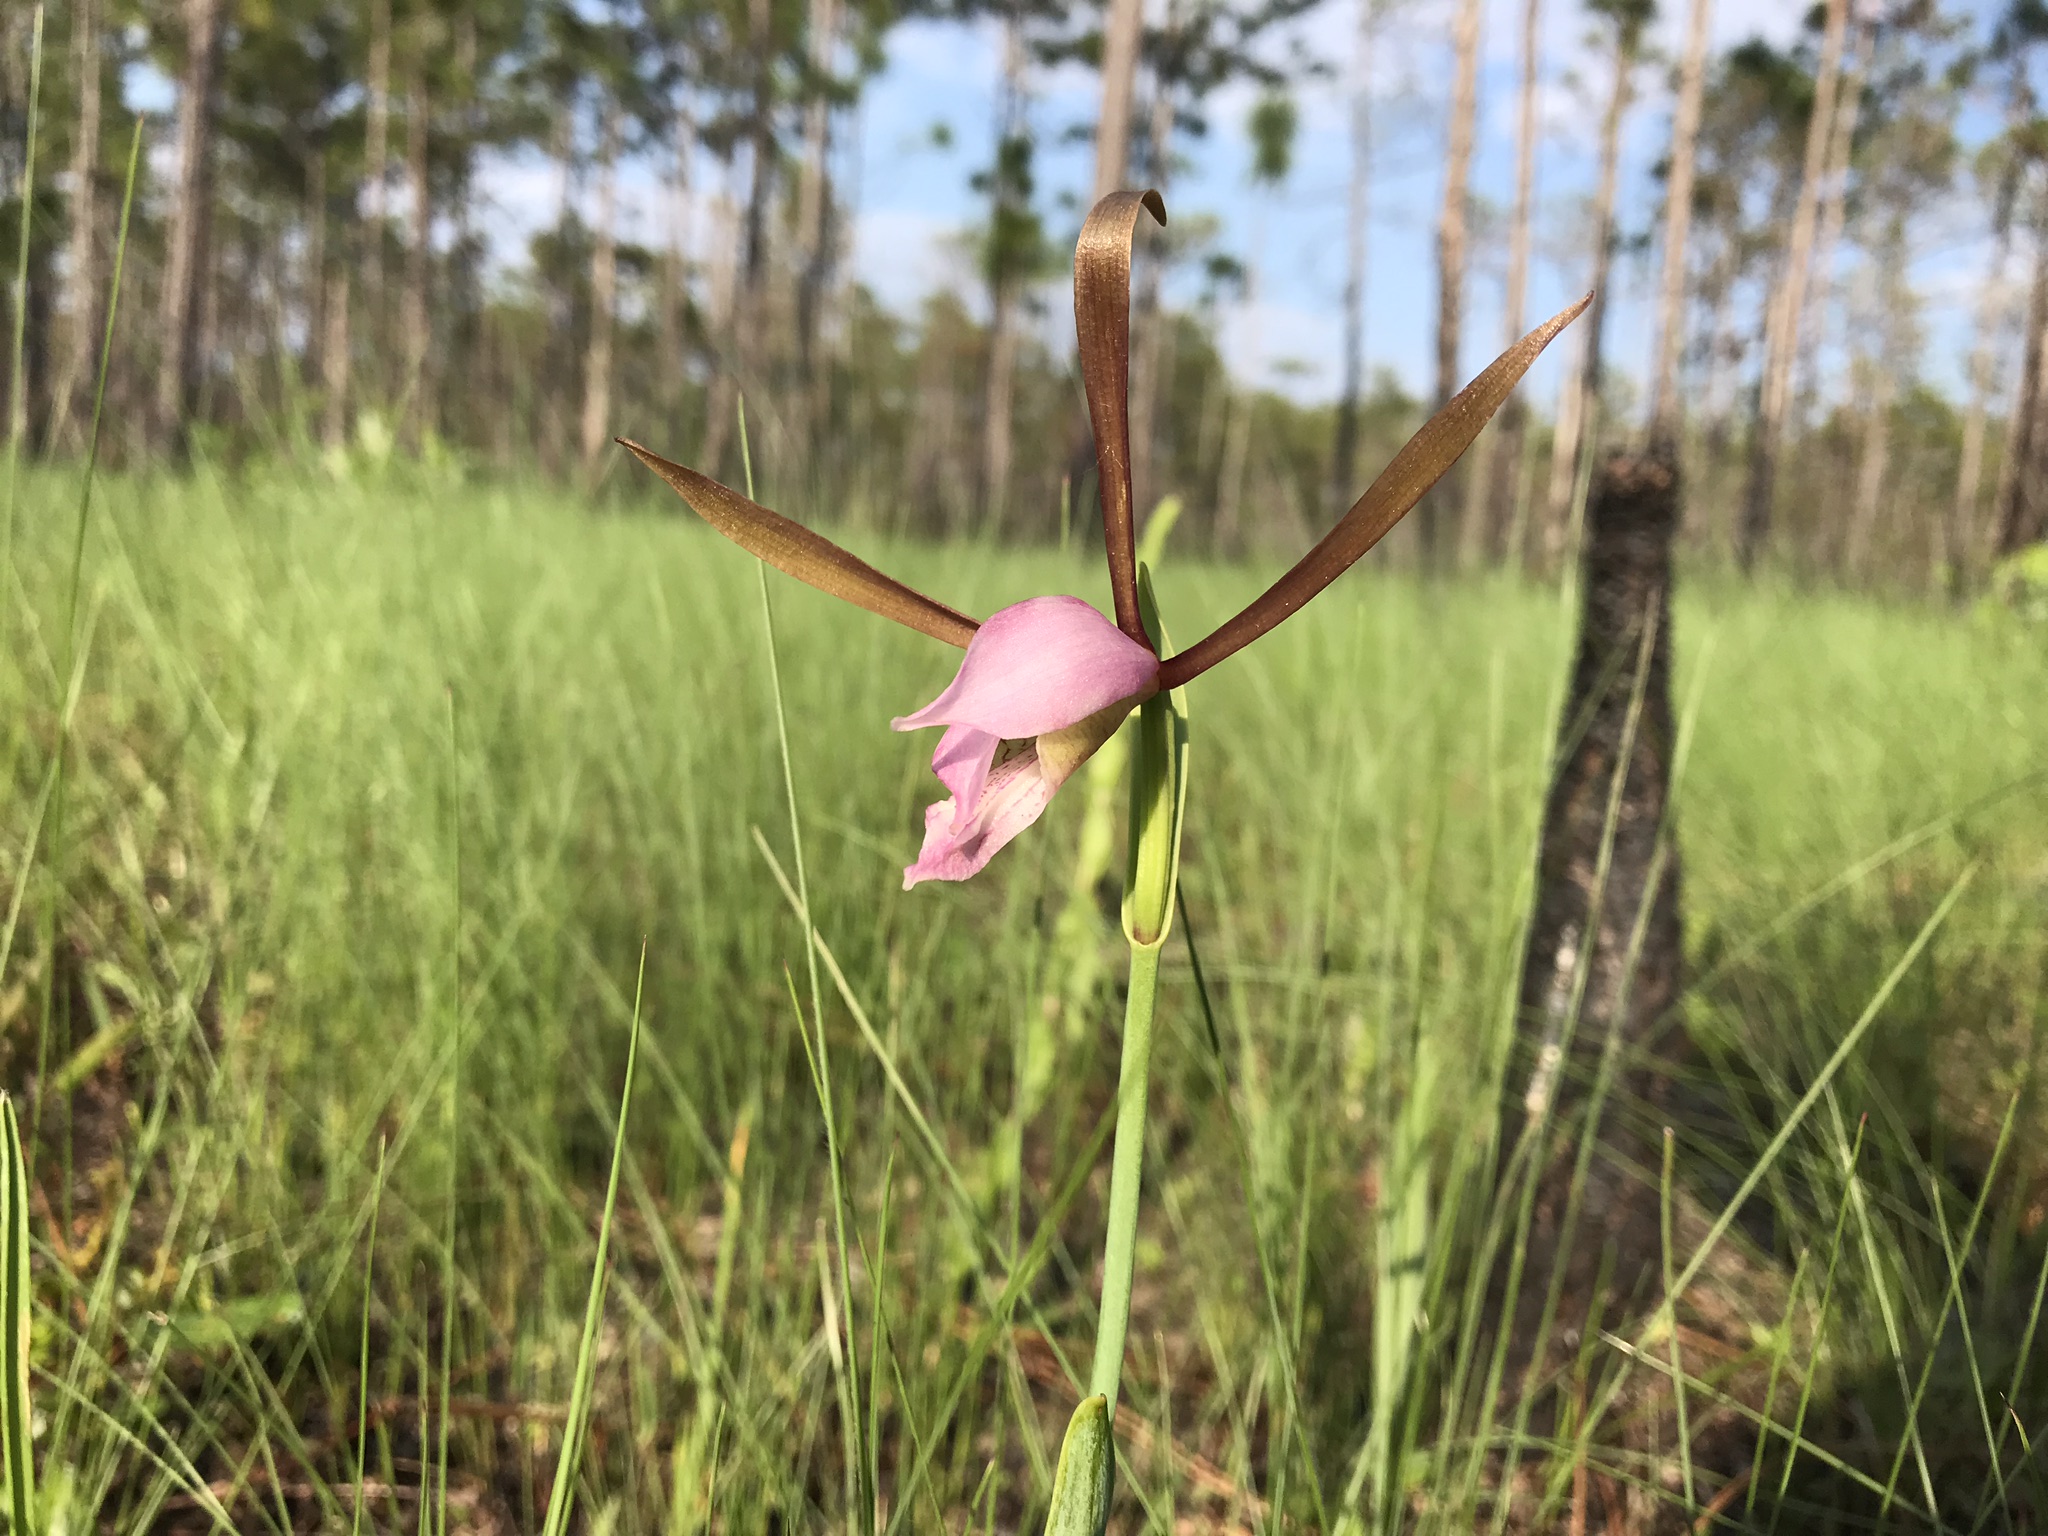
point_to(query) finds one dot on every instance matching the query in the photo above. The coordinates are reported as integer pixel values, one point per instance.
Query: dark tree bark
(1604, 960)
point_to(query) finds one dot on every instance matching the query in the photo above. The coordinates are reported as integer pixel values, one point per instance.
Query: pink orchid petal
(1040, 665)
(956, 846)
(962, 762)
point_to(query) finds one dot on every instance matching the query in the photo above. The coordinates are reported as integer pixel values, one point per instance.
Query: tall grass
(270, 976)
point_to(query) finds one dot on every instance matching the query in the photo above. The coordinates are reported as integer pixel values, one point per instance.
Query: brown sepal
(796, 551)
(1419, 465)
(1102, 320)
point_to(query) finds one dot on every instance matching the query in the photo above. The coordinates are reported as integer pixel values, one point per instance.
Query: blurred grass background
(367, 772)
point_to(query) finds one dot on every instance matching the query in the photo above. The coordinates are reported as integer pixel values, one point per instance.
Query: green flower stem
(1119, 1258)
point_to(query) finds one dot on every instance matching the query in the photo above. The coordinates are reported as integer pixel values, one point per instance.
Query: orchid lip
(1043, 685)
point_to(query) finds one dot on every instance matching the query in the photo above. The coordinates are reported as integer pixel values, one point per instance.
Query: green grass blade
(14, 1322)
(561, 1497)
(363, 1343)
(1821, 1083)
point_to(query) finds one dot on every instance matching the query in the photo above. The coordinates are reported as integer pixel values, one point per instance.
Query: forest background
(512, 231)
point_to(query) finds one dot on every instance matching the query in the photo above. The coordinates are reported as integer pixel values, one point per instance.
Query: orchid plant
(1046, 682)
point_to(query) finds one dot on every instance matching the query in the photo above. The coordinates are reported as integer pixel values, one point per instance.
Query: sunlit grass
(267, 949)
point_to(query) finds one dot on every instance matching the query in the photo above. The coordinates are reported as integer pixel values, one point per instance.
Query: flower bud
(1087, 1471)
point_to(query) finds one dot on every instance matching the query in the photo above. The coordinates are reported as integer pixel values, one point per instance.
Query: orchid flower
(1047, 681)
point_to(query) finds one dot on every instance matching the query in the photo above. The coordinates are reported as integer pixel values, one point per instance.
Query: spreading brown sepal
(1419, 465)
(1102, 319)
(796, 551)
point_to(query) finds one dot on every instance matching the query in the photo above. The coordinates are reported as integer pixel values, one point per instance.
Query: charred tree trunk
(181, 366)
(1604, 959)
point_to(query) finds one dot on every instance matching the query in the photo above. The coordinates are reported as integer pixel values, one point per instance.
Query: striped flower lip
(1047, 681)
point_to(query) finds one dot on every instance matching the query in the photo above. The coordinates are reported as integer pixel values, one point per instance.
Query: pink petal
(1040, 665)
(957, 844)
(962, 762)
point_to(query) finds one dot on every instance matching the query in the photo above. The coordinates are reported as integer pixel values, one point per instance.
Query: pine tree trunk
(1440, 506)
(71, 402)
(461, 296)
(999, 405)
(1789, 303)
(814, 190)
(376, 161)
(313, 270)
(1583, 385)
(1685, 134)
(335, 359)
(416, 323)
(1834, 212)
(1150, 348)
(675, 272)
(181, 365)
(749, 342)
(2022, 504)
(1237, 441)
(1961, 534)
(1875, 460)
(1490, 512)
(726, 309)
(604, 282)
(1243, 405)
(1344, 449)
(999, 392)
(1121, 33)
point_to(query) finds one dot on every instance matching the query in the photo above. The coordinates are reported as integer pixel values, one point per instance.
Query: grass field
(375, 795)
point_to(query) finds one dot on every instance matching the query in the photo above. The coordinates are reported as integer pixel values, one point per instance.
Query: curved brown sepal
(1419, 465)
(1102, 320)
(796, 551)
